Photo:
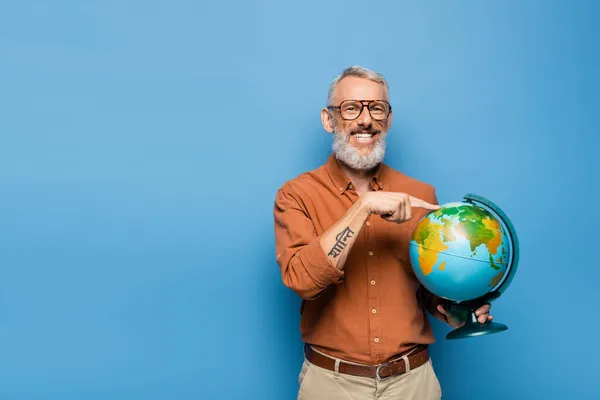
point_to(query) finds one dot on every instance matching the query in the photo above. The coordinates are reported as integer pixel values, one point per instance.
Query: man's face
(359, 143)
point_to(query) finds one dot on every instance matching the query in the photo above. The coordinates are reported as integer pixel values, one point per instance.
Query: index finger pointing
(416, 202)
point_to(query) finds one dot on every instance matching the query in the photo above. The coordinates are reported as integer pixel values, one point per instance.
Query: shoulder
(301, 186)
(305, 181)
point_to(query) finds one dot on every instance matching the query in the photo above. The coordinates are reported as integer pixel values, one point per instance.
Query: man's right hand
(394, 206)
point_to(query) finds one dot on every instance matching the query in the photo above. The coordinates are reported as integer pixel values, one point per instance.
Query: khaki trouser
(317, 383)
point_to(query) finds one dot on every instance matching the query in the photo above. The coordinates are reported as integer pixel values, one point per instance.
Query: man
(342, 235)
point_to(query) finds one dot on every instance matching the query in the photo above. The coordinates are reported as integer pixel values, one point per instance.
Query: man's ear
(389, 122)
(326, 120)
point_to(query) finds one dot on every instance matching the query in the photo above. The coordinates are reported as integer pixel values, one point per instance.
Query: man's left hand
(482, 313)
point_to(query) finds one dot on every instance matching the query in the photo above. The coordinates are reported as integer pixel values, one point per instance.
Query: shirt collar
(343, 183)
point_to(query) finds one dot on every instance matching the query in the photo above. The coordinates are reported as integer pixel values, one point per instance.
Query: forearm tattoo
(339, 246)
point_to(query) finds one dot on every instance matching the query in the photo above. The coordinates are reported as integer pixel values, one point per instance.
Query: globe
(465, 253)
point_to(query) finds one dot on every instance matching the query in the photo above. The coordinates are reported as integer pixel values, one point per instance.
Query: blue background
(142, 142)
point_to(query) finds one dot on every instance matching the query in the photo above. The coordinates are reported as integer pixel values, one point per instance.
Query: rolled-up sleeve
(305, 268)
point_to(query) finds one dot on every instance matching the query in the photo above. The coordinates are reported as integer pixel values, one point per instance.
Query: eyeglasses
(351, 109)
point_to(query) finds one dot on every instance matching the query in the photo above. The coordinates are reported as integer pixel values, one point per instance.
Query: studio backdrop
(142, 144)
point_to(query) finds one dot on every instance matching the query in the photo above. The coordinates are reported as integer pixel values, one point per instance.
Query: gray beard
(350, 156)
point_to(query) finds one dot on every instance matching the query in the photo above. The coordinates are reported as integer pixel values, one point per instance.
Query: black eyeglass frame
(362, 102)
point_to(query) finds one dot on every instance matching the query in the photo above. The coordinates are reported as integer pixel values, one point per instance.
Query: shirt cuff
(321, 270)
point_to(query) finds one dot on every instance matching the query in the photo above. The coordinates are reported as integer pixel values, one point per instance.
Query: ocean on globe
(460, 251)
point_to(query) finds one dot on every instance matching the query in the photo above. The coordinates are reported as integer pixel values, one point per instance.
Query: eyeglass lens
(351, 109)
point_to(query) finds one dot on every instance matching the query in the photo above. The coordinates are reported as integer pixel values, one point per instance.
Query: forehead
(355, 88)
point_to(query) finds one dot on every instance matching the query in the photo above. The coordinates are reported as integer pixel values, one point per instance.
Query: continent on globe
(467, 254)
(459, 251)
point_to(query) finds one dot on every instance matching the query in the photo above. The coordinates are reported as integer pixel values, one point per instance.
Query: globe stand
(472, 326)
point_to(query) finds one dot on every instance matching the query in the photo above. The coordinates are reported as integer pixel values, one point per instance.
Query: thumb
(388, 217)
(443, 311)
(446, 314)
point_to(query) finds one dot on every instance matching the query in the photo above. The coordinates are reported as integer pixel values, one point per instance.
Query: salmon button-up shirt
(374, 307)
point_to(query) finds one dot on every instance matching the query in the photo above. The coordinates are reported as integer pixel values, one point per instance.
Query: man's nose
(364, 119)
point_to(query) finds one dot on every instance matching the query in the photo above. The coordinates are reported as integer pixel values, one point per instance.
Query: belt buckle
(377, 375)
(406, 367)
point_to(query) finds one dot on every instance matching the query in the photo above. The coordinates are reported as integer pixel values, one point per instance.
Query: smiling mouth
(364, 136)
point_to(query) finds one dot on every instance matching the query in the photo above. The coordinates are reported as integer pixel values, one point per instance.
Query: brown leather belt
(417, 357)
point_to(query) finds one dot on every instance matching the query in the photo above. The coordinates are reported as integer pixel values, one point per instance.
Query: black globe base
(466, 311)
(473, 328)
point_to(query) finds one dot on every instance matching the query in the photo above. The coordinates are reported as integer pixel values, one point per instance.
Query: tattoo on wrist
(339, 246)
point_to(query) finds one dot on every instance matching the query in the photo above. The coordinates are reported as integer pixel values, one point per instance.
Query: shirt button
(376, 340)
(373, 282)
(370, 253)
(368, 223)
(373, 311)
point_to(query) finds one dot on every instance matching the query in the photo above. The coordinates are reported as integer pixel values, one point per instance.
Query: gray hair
(360, 72)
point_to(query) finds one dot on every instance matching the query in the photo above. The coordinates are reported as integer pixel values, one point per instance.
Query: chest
(376, 236)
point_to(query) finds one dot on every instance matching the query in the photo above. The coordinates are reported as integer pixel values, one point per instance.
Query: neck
(360, 178)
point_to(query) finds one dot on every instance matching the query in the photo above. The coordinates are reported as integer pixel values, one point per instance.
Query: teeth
(363, 135)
